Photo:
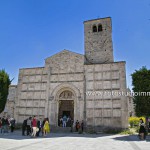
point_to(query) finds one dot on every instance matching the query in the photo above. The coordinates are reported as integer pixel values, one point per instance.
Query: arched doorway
(66, 105)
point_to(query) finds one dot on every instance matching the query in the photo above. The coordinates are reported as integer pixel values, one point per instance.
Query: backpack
(25, 122)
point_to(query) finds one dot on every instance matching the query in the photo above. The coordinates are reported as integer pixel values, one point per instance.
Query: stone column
(47, 107)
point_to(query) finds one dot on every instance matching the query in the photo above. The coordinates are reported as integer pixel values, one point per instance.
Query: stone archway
(56, 99)
(66, 105)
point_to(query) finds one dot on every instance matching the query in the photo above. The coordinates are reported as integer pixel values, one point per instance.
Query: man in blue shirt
(64, 121)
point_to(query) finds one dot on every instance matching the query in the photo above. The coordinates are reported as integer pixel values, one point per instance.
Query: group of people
(68, 122)
(79, 126)
(65, 121)
(6, 124)
(34, 126)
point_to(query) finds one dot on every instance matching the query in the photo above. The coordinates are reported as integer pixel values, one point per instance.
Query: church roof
(97, 19)
(63, 52)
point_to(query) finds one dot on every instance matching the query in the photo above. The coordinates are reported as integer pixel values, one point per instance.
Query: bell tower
(98, 41)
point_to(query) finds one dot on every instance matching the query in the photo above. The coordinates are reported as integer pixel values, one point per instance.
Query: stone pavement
(73, 141)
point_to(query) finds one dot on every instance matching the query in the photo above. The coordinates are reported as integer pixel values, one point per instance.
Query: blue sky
(32, 30)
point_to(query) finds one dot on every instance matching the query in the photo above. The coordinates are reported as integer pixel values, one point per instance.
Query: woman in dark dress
(142, 129)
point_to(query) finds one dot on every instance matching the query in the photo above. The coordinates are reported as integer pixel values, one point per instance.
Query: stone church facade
(75, 85)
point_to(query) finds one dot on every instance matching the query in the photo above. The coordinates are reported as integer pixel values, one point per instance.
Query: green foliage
(127, 131)
(134, 126)
(134, 121)
(4, 86)
(141, 83)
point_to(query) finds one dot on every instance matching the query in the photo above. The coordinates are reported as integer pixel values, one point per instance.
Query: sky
(32, 30)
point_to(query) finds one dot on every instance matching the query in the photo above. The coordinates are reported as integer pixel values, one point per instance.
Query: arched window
(94, 28)
(100, 28)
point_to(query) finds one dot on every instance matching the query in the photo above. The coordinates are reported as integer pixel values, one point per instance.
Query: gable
(65, 61)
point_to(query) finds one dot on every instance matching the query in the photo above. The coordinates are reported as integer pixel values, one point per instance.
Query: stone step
(61, 129)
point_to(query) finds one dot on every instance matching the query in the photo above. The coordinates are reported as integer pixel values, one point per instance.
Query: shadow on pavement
(131, 138)
(18, 136)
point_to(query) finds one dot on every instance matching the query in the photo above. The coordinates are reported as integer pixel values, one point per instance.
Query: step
(61, 129)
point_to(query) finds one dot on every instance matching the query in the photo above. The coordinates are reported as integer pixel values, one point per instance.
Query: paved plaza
(68, 141)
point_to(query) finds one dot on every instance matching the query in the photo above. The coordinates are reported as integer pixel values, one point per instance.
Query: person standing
(3, 124)
(29, 125)
(0, 125)
(7, 123)
(82, 126)
(77, 125)
(34, 126)
(24, 126)
(149, 124)
(46, 127)
(60, 122)
(69, 121)
(39, 125)
(142, 129)
(12, 124)
(42, 128)
(72, 123)
(64, 121)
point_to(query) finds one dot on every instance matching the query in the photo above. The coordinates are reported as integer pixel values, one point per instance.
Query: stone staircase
(55, 129)
(61, 130)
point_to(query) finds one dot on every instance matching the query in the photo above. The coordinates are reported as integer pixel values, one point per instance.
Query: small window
(94, 28)
(100, 28)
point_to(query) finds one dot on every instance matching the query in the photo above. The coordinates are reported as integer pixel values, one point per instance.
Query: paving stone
(69, 141)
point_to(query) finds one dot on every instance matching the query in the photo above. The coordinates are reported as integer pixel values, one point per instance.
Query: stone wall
(103, 109)
(31, 100)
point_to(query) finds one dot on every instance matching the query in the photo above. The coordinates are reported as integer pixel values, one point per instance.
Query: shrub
(134, 121)
(126, 132)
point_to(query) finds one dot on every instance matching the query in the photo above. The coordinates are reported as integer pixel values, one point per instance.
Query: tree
(141, 89)
(4, 87)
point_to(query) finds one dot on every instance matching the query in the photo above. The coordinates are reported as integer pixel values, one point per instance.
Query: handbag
(37, 129)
